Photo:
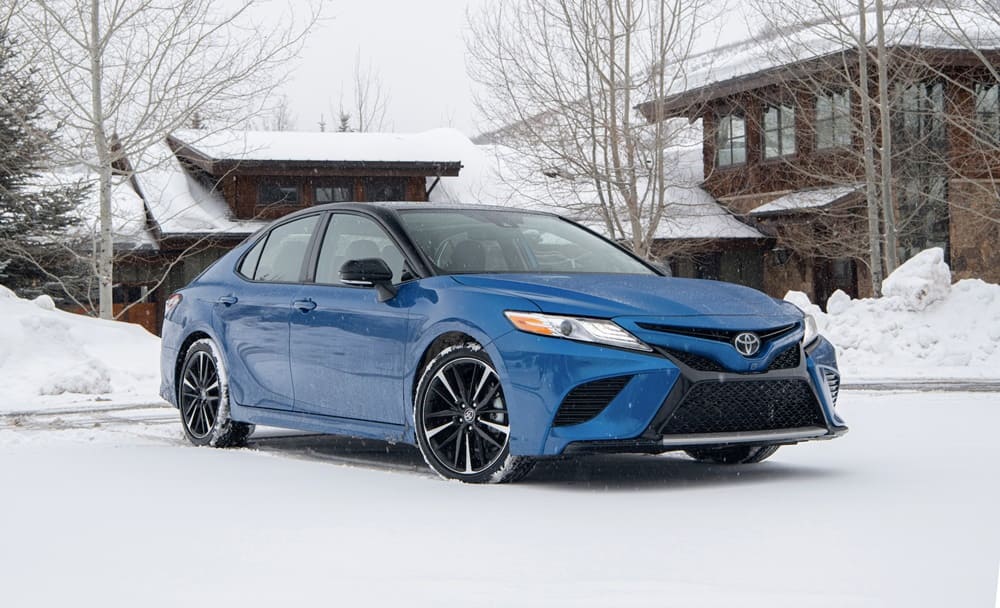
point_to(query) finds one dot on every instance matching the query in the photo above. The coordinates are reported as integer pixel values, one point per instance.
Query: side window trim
(321, 218)
(317, 245)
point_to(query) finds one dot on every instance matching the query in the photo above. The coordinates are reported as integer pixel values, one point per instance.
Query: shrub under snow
(49, 356)
(924, 327)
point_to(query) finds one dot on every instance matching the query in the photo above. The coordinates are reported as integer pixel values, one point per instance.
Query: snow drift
(924, 327)
(51, 357)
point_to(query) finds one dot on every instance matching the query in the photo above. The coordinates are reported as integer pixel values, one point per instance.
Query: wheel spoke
(486, 436)
(441, 378)
(444, 397)
(442, 414)
(492, 393)
(482, 381)
(438, 429)
(458, 447)
(496, 427)
(463, 389)
(468, 458)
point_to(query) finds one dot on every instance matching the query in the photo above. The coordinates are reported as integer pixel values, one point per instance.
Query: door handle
(304, 305)
(228, 300)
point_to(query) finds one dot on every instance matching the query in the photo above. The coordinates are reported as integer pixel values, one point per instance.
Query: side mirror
(369, 272)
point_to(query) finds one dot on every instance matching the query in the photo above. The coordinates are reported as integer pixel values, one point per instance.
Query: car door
(254, 318)
(346, 346)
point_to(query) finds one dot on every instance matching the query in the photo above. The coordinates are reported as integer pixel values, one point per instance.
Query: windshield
(489, 241)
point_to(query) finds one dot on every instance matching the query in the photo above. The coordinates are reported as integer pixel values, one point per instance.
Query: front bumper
(540, 373)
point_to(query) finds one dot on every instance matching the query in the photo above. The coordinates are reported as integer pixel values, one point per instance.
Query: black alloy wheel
(203, 400)
(462, 422)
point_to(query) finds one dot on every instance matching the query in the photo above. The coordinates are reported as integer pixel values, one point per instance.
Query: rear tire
(738, 454)
(461, 420)
(203, 399)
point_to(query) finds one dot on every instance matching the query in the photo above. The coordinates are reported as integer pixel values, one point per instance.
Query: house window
(923, 215)
(922, 115)
(334, 193)
(278, 193)
(988, 112)
(731, 141)
(833, 120)
(385, 189)
(779, 131)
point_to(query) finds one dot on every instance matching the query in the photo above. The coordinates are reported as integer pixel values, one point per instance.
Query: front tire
(203, 400)
(739, 454)
(461, 419)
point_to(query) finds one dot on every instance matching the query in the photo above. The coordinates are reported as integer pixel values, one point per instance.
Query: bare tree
(122, 74)
(561, 80)
(368, 101)
(277, 117)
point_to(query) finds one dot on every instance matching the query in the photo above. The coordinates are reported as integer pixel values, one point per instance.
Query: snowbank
(924, 327)
(49, 358)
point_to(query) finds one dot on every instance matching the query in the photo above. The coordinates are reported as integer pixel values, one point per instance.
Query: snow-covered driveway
(903, 511)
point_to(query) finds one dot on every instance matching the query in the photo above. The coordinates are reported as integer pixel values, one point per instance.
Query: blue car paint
(373, 350)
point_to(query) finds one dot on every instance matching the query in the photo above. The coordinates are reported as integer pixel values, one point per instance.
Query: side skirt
(331, 425)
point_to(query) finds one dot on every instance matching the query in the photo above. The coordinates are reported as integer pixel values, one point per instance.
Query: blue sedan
(489, 338)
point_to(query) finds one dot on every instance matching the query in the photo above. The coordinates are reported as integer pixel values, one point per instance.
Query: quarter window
(352, 237)
(284, 252)
(779, 131)
(833, 120)
(988, 112)
(731, 141)
(278, 193)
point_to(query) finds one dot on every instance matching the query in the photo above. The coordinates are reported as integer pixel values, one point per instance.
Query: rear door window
(283, 254)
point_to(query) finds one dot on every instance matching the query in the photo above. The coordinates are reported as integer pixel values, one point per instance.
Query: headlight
(811, 332)
(598, 331)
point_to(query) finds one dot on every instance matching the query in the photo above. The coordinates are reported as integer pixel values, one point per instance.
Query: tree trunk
(105, 250)
(885, 159)
(868, 142)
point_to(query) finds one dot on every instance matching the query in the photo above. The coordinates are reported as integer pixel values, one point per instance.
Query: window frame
(316, 246)
(265, 237)
(780, 130)
(283, 184)
(349, 184)
(988, 133)
(729, 118)
(834, 120)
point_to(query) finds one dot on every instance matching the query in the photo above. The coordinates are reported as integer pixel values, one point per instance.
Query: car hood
(614, 295)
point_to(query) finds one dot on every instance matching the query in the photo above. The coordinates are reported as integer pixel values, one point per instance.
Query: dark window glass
(988, 113)
(731, 141)
(833, 120)
(285, 251)
(334, 193)
(249, 266)
(278, 193)
(469, 242)
(922, 117)
(923, 214)
(353, 237)
(385, 189)
(779, 131)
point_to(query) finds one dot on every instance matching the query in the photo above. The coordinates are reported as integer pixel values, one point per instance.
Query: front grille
(718, 335)
(832, 381)
(586, 401)
(742, 406)
(698, 362)
(789, 359)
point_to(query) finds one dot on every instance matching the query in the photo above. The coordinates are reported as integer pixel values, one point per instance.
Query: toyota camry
(489, 338)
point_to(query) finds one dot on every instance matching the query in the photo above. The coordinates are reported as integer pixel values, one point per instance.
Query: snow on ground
(50, 358)
(923, 328)
(129, 515)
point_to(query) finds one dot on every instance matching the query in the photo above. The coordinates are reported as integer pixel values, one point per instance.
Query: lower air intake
(832, 381)
(733, 407)
(586, 401)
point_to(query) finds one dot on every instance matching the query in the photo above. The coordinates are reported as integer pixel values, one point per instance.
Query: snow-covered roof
(304, 146)
(128, 216)
(491, 176)
(806, 199)
(178, 204)
(946, 24)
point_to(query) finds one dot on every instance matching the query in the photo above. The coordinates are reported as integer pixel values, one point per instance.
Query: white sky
(418, 46)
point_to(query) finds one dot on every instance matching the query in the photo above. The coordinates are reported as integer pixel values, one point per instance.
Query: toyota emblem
(746, 343)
